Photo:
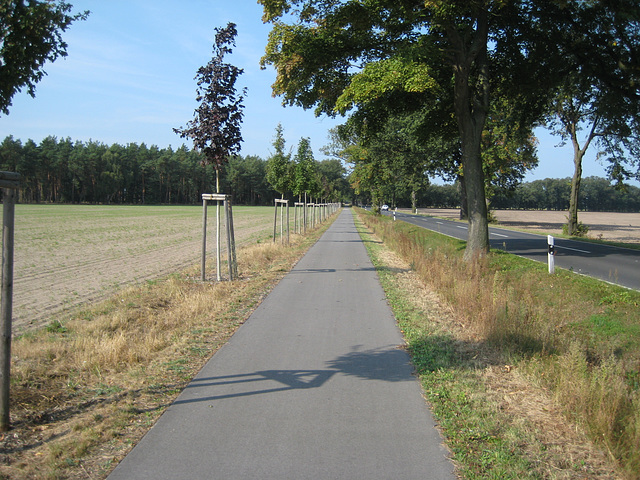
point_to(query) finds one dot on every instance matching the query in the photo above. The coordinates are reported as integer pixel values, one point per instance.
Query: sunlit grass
(574, 336)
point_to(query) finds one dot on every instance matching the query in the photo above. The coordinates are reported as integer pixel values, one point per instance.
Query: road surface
(612, 264)
(315, 385)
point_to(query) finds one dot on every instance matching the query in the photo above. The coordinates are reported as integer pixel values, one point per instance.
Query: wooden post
(282, 223)
(282, 204)
(288, 239)
(9, 181)
(304, 214)
(229, 256)
(226, 199)
(232, 239)
(298, 217)
(218, 240)
(204, 238)
(275, 220)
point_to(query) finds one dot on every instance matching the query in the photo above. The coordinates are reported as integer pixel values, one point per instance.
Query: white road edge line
(574, 249)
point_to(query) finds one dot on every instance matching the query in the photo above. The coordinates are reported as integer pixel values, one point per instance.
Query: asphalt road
(315, 385)
(612, 264)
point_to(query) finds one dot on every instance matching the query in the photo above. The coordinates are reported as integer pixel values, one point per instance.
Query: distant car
(384, 208)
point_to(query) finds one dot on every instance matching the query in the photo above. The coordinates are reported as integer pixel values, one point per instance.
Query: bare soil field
(68, 255)
(615, 227)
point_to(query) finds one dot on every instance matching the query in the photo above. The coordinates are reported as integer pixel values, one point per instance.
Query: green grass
(573, 336)
(474, 434)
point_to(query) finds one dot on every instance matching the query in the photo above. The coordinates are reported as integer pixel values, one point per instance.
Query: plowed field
(67, 255)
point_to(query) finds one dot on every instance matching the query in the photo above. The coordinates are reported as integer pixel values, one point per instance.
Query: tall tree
(10, 154)
(334, 183)
(304, 180)
(508, 149)
(598, 103)
(30, 36)
(278, 165)
(342, 55)
(215, 130)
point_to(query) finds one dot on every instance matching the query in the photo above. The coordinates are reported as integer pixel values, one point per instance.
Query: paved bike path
(312, 386)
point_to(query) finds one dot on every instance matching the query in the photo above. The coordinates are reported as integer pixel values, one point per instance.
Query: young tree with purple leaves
(215, 128)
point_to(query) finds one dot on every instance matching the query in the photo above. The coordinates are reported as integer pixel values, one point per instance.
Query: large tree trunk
(464, 211)
(471, 107)
(478, 239)
(575, 191)
(578, 155)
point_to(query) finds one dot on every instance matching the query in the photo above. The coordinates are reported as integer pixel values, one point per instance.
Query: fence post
(232, 239)
(9, 181)
(218, 274)
(204, 238)
(275, 220)
(228, 226)
(226, 200)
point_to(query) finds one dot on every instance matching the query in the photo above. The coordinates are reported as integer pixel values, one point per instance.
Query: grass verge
(87, 387)
(530, 375)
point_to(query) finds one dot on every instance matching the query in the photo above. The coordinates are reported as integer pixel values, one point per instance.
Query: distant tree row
(302, 177)
(67, 171)
(596, 195)
(75, 172)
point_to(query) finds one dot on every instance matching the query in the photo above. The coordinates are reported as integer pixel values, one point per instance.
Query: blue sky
(129, 78)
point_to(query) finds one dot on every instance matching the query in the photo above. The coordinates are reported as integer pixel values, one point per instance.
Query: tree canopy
(346, 55)
(462, 56)
(215, 130)
(67, 171)
(304, 178)
(30, 36)
(597, 105)
(278, 165)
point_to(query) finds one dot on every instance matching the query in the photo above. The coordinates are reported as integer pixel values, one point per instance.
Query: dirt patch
(616, 227)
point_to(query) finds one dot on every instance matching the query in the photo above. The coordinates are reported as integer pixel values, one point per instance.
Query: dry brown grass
(574, 341)
(85, 390)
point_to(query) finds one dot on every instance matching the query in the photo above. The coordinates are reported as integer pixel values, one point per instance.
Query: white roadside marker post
(551, 255)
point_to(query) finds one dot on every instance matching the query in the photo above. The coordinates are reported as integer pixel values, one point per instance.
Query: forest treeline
(66, 171)
(597, 194)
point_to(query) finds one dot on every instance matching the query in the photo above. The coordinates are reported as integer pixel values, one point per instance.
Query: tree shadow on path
(389, 364)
